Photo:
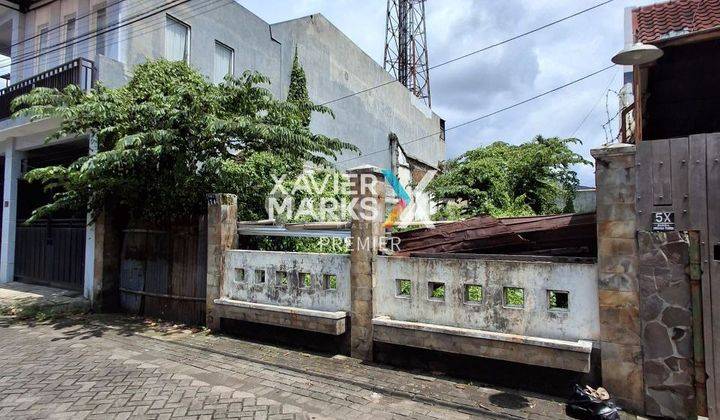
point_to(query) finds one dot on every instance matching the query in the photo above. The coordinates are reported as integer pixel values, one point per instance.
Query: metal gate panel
(698, 215)
(51, 253)
(644, 192)
(678, 163)
(661, 173)
(682, 175)
(713, 213)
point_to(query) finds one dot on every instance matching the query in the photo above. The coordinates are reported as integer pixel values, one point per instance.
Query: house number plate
(663, 221)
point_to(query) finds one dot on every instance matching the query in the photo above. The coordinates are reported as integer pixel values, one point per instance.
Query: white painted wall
(13, 159)
(315, 297)
(579, 322)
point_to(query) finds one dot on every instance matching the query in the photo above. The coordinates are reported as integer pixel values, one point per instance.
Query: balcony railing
(77, 72)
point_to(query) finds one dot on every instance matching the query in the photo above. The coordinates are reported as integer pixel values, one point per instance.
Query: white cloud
(502, 76)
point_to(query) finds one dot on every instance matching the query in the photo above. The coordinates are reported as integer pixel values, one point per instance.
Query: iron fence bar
(78, 72)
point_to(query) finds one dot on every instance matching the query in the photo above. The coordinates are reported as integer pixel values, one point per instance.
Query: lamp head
(637, 54)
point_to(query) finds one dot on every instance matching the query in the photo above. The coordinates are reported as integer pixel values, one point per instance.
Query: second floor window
(69, 37)
(223, 62)
(100, 27)
(177, 40)
(43, 44)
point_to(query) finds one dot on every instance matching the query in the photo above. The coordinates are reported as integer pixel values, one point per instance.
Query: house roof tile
(673, 18)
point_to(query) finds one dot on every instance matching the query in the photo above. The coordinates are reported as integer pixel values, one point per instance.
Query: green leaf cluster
(169, 137)
(504, 180)
(298, 91)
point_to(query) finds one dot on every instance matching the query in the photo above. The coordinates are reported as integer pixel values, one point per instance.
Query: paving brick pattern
(104, 369)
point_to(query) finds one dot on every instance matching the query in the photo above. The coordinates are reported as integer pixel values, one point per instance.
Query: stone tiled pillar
(222, 235)
(620, 343)
(102, 255)
(368, 188)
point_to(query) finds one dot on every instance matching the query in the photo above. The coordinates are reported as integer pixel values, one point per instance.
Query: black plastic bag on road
(589, 404)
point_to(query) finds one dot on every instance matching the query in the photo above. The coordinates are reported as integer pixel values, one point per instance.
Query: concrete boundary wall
(578, 282)
(257, 276)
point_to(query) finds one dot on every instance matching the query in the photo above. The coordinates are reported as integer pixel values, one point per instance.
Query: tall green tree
(169, 137)
(298, 91)
(501, 179)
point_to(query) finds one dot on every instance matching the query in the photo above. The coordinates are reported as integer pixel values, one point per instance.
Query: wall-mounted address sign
(663, 221)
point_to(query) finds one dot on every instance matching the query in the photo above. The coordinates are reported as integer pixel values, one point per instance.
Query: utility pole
(406, 53)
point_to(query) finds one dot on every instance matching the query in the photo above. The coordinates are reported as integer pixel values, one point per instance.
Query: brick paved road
(115, 368)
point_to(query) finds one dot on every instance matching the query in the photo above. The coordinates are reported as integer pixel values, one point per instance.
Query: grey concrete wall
(336, 67)
(585, 201)
(112, 71)
(316, 297)
(227, 22)
(579, 322)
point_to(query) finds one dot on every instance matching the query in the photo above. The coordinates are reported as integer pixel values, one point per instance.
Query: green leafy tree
(298, 91)
(510, 180)
(169, 137)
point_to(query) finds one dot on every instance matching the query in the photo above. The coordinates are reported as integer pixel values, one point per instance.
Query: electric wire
(483, 49)
(488, 115)
(77, 19)
(151, 27)
(595, 105)
(32, 52)
(137, 18)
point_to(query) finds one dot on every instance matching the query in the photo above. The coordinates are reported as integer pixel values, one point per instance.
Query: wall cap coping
(580, 346)
(222, 199)
(614, 149)
(281, 309)
(284, 254)
(365, 169)
(502, 257)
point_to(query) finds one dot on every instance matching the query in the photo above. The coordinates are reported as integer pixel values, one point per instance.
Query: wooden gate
(51, 253)
(163, 272)
(681, 179)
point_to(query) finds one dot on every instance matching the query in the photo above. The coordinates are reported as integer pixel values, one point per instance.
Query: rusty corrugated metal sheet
(559, 235)
(479, 232)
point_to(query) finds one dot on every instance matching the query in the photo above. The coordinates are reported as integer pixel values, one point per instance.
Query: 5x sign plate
(663, 221)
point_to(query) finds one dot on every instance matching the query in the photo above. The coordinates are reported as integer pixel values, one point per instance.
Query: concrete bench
(560, 354)
(326, 322)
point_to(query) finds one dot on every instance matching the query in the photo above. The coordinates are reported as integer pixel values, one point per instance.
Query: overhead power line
(207, 6)
(137, 18)
(595, 104)
(483, 49)
(77, 19)
(482, 117)
(31, 51)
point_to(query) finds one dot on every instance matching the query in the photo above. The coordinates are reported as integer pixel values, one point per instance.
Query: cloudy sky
(501, 76)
